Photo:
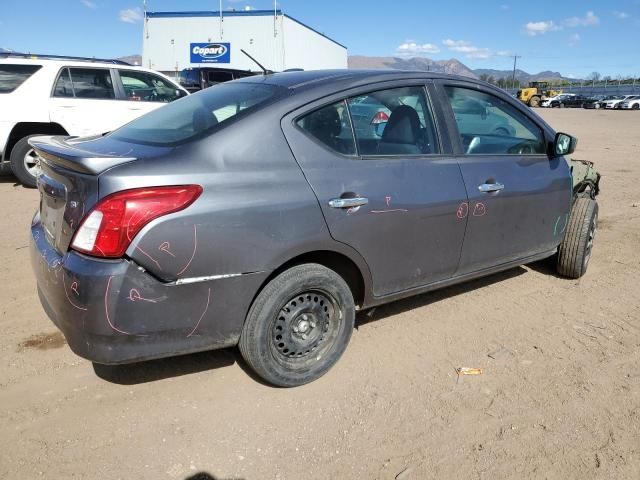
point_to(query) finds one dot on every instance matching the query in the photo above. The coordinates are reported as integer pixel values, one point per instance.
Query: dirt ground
(561, 398)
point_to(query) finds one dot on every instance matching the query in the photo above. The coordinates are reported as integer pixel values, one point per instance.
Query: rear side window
(92, 83)
(196, 115)
(219, 77)
(489, 125)
(147, 87)
(394, 122)
(63, 86)
(12, 76)
(331, 126)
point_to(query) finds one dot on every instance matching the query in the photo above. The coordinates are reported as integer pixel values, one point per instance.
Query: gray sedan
(257, 213)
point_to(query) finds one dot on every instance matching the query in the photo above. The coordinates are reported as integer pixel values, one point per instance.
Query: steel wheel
(306, 327)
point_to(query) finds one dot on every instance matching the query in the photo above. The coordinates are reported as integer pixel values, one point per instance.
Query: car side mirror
(564, 144)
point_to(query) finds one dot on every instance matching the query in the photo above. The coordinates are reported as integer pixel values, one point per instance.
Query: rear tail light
(107, 231)
(379, 118)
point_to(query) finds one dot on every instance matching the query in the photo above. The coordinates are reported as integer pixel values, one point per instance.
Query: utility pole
(513, 76)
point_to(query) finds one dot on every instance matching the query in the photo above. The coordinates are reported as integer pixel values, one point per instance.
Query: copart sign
(210, 52)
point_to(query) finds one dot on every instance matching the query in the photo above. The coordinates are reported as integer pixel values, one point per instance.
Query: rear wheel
(574, 252)
(24, 162)
(298, 326)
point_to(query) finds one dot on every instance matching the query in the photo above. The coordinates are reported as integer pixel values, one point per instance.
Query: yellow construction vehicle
(536, 92)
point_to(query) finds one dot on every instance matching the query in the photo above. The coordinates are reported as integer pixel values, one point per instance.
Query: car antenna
(264, 70)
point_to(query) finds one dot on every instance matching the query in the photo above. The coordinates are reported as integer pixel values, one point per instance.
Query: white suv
(53, 95)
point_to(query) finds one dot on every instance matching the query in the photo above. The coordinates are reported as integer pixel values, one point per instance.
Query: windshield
(195, 115)
(12, 76)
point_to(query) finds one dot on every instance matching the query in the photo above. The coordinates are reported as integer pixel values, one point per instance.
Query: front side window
(14, 75)
(331, 126)
(489, 125)
(396, 121)
(195, 115)
(92, 83)
(146, 87)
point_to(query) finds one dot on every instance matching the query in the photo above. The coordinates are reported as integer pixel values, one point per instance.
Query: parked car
(183, 231)
(615, 102)
(553, 101)
(46, 94)
(572, 101)
(631, 103)
(596, 101)
(198, 78)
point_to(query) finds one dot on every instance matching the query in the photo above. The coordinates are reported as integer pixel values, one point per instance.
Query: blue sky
(575, 37)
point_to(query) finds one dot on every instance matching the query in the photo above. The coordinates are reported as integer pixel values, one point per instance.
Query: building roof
(236, 13)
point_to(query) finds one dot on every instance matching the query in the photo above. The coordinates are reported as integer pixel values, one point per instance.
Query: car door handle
(348, 202)
(491, 187)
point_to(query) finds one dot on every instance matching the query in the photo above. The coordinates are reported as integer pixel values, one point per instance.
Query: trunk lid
(68, 183)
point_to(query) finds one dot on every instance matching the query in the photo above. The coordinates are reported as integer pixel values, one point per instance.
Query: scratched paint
(561, 224)
(106, 311)
(134, 296)
(74, 289)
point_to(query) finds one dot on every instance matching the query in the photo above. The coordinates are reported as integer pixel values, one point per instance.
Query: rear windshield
(12, 76)
(195, 115)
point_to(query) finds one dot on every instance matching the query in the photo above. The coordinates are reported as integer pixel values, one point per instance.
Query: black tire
(636, 106)
(273, 342)
(534, 102)
(18, 164)
(574, 252)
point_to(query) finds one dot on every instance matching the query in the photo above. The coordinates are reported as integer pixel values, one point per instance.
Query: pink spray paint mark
(149, 257)
(203, 313)
(463, 210)
(75, 290)
(134, 296)
(391, 210)
(166, 248)
(106, 311)
(195, 247)
(479, 210)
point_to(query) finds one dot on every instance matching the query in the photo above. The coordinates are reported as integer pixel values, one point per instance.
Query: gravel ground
(561, 398)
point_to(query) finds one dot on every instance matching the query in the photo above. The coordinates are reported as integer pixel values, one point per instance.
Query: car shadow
(154, 370)
(8, 178)
(401, 306)
(207, 476)
(546, 267)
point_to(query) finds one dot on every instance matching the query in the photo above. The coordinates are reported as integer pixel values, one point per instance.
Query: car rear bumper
(112, 311)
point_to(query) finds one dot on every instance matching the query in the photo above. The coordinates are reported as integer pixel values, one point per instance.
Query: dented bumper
(113, 311)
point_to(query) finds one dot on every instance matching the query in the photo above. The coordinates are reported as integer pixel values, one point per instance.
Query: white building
(176, 40)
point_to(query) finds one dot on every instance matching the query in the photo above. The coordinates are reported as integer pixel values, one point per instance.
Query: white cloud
(621, 15)
(410, 47)
(589, 20)
(540, 28)
(469, 50)
(574, 39)
(131, 15)
(248, 8)
(88, 3)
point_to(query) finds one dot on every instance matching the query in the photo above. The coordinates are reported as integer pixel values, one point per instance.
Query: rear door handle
(491, 187)
(348, 202)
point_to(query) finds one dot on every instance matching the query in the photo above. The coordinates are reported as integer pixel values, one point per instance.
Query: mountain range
(451, 66)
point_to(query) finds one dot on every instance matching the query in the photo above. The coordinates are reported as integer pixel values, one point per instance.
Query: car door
(142, 92)
(84, 100)
(392, 194)
(519, 198)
